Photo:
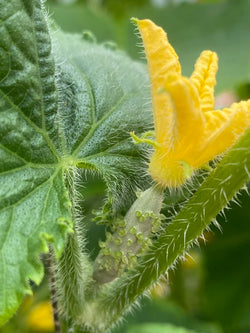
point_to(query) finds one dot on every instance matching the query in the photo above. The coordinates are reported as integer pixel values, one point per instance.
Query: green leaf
(54, 117)
(34, 206)
(109, 97)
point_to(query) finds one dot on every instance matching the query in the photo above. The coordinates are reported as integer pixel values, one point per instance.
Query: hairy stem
(74, 271)
(53, 294)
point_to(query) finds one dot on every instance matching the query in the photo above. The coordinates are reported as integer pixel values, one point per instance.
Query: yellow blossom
(188, 131)
(41, 317)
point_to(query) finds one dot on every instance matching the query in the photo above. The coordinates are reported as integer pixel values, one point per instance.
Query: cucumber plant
(67, 107)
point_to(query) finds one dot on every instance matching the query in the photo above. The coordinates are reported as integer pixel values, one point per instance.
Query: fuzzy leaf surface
(55, 117)
(104, 96)
(34, 206)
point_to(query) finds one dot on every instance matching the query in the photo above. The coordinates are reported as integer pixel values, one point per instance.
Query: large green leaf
(53, 118)
(34, 206)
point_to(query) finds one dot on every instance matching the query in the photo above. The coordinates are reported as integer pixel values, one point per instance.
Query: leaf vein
(90, 91)
(29, 165)
(31, 123)
(99, 122)
(30, 193)
(45, 203)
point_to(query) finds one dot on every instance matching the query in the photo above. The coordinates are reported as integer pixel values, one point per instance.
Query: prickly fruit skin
(131, 237)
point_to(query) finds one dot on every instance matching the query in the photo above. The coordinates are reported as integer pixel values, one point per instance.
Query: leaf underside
(111, 98)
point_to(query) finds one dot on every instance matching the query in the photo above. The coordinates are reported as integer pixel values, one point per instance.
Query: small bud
(118, 254)
(101, 244)
(156, 225)
(142, 218)
(132, 260)
(124, 260)
(129, 242)
(118, 241)
(122, 232)
(107, 264)
(109, 236)
(140, 236)
(138, 213)
(121, 223)
(105, 251)
(132, 230)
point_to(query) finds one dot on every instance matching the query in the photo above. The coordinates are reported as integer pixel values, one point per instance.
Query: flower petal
(172, 163)
(204, 78)
(161, 56)
(223, 127)
(162, 61)
(187, 123)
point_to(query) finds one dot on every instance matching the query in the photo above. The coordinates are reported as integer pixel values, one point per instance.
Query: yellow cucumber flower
(188, 131)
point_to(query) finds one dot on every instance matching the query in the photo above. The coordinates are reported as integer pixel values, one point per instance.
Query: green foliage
(67, 106)
(51, 121)
(35, 207)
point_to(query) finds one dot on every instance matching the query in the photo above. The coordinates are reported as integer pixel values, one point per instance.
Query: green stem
(74, 270)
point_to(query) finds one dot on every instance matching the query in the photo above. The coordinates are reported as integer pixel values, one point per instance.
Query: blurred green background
(210, 291)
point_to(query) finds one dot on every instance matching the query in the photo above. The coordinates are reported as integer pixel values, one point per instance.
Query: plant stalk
(53, 295)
